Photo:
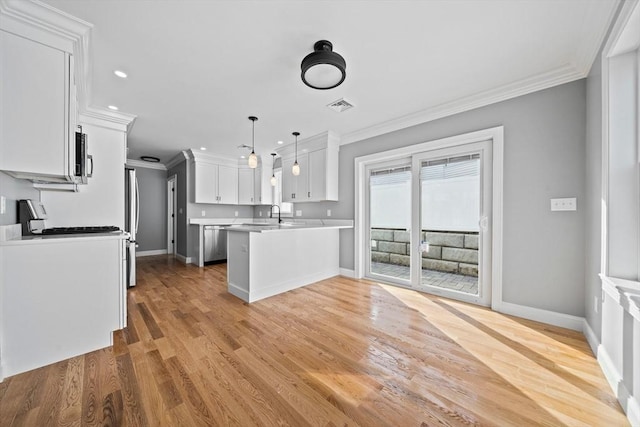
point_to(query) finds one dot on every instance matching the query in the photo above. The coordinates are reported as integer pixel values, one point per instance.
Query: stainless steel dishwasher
(215, 244)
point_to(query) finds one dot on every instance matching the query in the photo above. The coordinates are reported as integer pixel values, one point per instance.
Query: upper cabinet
(36, 110)
(214, 183)
(318, 160)
(37, 92)
(249, 186)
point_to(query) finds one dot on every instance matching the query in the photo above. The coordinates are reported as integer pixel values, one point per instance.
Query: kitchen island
(268, 259)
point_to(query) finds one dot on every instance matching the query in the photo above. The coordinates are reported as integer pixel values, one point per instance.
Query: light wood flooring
(336, 353)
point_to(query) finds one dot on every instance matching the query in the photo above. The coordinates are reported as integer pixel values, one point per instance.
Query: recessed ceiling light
(280, 142)
(203, 148)
(120, 74)
(113, 107)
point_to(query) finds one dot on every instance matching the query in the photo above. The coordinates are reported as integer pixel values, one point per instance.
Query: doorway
(425, 217)
(171, 214)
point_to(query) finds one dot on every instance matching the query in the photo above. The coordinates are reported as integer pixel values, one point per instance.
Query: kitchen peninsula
(268, 259)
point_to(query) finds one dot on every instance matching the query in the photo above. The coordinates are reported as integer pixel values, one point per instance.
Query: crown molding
(599, 15)
(561, 75)
(177, 159)
(322, 140)
(107, 118)
(148, 165)
(40, 22)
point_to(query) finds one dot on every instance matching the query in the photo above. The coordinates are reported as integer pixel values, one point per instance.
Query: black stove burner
(81, 230)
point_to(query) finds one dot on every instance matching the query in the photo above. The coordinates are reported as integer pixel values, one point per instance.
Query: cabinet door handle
(309, 194)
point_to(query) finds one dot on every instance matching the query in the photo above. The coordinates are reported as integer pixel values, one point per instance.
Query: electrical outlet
(3, 205)
(236, 213)
(260, 213)
(328, 212)
(299, 213)
(566, 204)
(204, 213)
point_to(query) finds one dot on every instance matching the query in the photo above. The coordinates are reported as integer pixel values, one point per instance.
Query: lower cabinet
(61, 297)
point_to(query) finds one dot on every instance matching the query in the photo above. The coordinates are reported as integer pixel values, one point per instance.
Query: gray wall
(14, 190)
(152, 232)
(544, 157)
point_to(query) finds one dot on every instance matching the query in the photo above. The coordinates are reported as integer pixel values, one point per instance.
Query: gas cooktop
(81, 230)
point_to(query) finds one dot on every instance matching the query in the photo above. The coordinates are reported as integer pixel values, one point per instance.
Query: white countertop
(51, 238)
(290, 225)
(260, 225)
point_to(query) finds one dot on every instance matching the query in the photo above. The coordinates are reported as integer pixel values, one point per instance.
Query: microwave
(84, 161)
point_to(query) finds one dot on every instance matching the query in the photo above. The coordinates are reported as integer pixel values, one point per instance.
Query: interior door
(452, 216)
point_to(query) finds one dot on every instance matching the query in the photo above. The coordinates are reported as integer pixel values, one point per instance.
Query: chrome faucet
(271, 212)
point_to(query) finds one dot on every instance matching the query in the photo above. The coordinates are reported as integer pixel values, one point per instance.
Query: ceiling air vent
(340, 105)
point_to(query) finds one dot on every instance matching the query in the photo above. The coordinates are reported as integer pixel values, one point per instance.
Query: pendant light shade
(323, 69)
(296, 167)
(273, 179)
(253, 159)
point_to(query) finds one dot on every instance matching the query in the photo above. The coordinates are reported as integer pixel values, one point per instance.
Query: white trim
(148, 165)
(183, 259)
(172, 218)
(151, 253)
(556, 77)
(496, 135)
(539, 315)
(592, 338)
(629, 403)
(347, 272)
(108, 119)
(177, 159)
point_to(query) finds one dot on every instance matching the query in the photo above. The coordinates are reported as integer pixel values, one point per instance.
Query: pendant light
(296, 167)
(273, 179)
(253, 159)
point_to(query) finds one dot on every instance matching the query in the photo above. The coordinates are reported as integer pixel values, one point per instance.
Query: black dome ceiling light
(324, 68)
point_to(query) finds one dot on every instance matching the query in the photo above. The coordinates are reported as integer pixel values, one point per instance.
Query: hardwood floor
(339, 352)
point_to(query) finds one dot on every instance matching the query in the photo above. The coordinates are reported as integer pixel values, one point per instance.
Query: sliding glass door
(429, 222)
(453, 211)
(388, 233)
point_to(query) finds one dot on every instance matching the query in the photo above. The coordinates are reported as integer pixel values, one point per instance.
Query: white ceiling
(198, 69)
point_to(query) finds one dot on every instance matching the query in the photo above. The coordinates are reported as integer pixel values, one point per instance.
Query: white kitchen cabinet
(249, 186)
(227, 185)
(214, 183)
(37, 110)
(318, 179)
(69, 305)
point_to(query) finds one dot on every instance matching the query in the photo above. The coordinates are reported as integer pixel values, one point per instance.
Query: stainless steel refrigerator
(131, 220)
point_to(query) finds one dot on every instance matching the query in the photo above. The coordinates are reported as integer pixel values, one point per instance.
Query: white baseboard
(183, 259)
(151, 253)
(539, 315)
(348, 273)
(591, 337)
(628, 402)
(238, 291)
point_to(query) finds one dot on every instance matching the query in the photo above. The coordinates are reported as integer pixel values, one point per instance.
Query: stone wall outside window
(449, 251)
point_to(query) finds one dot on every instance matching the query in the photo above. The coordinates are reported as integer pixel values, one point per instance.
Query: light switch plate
(566, 204)
(299, 213)
(328, 212)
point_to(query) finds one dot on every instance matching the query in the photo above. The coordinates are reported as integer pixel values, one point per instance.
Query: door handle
(484, 223)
